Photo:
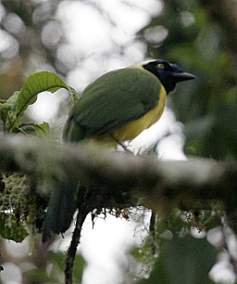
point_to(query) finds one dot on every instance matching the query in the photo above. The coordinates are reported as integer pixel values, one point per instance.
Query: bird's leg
(120, 143)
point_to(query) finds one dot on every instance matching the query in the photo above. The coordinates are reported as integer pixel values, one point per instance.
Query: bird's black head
(168, 73)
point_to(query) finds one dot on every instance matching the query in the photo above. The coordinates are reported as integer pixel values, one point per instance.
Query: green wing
(112, 100)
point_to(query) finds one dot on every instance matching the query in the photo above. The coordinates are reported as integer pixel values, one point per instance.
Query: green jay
(115, 108)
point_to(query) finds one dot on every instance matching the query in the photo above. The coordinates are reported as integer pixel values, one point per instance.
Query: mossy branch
(179, 183)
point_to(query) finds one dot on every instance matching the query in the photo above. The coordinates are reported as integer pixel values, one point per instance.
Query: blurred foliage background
(199, 35)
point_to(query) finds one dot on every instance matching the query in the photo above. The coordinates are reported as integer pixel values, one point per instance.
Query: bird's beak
(182, 76)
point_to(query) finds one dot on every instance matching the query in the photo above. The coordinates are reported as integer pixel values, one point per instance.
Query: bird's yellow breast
(133, 128)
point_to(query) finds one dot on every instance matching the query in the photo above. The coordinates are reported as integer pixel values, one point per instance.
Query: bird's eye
(160, 66)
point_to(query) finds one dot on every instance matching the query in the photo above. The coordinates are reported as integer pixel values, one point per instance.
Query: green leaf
(74, 96)
(5, 107)
(20, 100)
(38, 275)
(11, 101)
(40, 130)
(183, 261)
(58, 259)
(79, 266)
(35, 84)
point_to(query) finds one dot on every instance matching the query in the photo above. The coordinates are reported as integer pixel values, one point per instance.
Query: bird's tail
(62, 206)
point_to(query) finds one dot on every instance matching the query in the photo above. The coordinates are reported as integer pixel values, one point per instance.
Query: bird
(114, 108)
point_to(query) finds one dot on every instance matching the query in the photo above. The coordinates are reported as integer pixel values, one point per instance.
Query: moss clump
(19, 207)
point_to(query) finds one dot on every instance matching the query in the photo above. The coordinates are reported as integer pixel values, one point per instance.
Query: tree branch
(153, 183)
(71, 253)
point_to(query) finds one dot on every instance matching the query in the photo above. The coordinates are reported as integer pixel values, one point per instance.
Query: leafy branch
(12, 110)
(15, 198)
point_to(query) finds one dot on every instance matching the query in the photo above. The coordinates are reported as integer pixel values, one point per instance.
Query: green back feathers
(112, 100)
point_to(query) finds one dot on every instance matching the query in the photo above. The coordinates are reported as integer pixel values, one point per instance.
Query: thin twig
(152, 230)
(71, 253)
